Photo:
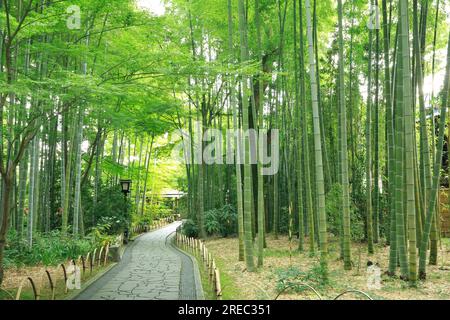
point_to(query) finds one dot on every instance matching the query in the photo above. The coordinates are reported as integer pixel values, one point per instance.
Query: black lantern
(126, 186)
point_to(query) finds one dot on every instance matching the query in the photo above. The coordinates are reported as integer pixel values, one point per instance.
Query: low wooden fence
(199, 248)
(157, 224)
(53, 279)
(57, 278)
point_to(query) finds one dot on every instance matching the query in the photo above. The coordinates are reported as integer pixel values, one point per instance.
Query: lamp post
(126, 186)
(126, 189)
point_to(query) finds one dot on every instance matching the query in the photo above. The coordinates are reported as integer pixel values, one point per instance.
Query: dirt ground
(14, 277)
(237, 283)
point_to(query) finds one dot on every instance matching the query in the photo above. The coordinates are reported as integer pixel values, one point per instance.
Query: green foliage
(145, 219)
(284, 220)
(158, 211)
(101, 233)
(190, 228)
(111, 210)
(334, 215)
(48, 249)
(221, 221)
(212, 225)
(290, 278)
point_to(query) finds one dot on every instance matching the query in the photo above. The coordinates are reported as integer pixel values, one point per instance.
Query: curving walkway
(151, 269)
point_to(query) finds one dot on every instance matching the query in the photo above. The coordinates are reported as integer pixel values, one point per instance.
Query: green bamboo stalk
(305, 139)
(409, 142)
(436, 173)
(234, 107)
(320, 188)
(299, 135)
(344, 155)
(369, 179)
(399, 168)
(77, 195)
(248, 244)
(376, 209)
(260, 208)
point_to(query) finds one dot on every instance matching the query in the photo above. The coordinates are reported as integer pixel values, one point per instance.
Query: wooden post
(52, 286)
(209, 260)
(94, 256)
(100, 256)
(218, 285)
(88, 260)
(106, 254)
(211, 270)
(205, 254)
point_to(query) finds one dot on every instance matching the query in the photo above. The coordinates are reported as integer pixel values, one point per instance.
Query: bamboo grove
(358, 91)
(76, 115)
(346, 92)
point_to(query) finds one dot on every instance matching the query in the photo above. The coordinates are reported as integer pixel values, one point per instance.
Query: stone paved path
(151, 269)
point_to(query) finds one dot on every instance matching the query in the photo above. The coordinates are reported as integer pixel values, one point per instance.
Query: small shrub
(190, 228)
(333, 207)
(48, 249)
(212, 225)
(292, 277)
(221, 221)
(111, 208)
(157, 211)
(105, 230)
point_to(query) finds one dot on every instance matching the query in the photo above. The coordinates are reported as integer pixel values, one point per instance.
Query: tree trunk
(248, 243)
(344, 156)
(320, 188)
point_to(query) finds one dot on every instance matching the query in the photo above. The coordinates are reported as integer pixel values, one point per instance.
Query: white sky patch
(85, 146)
(447, 7)
(154, 6)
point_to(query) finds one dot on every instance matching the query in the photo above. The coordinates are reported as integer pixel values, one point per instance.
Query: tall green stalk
(248, 243)
(369, 180)
(305, 140)
(298, 140)
(436, 173)
(409, 141)
(399, 168)
(344, 155)
(320, 186)
(259, 112)
(234, 107)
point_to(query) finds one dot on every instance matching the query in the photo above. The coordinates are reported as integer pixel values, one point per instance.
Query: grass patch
(229, 290)
(281, 253)
(208, 290)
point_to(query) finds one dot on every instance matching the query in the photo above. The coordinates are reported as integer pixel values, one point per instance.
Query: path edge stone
(91, 281)
(197, 278)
